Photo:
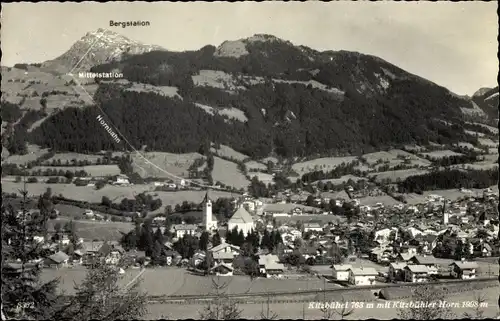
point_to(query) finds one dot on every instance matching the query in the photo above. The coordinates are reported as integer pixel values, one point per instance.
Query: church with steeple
(209, 222)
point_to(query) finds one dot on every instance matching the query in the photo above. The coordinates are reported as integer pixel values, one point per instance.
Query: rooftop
(241, 216)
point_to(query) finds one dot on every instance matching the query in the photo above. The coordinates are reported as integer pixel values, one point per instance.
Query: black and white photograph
(250, 160)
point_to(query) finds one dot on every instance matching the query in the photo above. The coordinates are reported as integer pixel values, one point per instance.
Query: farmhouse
(362, 276)
(111, 253)
(224, 253)
(416, 273)
(269, 266)
(341, 272)
(58, 260)
(428, 261)
(242, 220)
(464, 270)
(396, 271)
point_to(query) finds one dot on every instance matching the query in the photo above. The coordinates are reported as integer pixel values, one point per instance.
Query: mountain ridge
(267, 96)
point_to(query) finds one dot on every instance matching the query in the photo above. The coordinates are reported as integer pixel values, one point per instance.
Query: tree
(100, 297)
(24, 296)
(216, 239)
(204, 238)
(477, 305)
(344, 309)
(429, 296)
(221, 307)
(106, 201)
(268, 314)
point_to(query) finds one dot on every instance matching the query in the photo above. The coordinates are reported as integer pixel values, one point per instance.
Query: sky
(453, 44)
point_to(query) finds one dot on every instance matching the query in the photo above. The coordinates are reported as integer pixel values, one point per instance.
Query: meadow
(228, 174)
(169, 164)
(326, 164)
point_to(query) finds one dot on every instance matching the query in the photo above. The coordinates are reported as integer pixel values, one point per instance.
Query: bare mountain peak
(105, 45)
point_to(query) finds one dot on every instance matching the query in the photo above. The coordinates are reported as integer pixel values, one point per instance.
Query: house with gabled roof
(416, 273)
(242, 220)
(57, 260)
(464, 270)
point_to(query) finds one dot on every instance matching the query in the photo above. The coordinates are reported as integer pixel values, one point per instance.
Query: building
(464, 270)
(179, 230)
(396, 271)
(242, 220)
(222, 269)
(121, 179)
(224, 253)
(269, 266)
(209, 222)
(58, 260)
(429, 261)
(340, 272)
(416, 273)
(312, 227)
(111, 253)
(362, 276)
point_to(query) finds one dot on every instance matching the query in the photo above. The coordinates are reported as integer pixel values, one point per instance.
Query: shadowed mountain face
(258, 95)
(487, 100)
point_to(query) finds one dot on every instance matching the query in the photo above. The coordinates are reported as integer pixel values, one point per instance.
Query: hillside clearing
(263, 177)
(80, 193)
(228, 152)
(438, 154)
(395, 157)
(34, 152)
(228, 174)
(63, 157)
(394, 176)
(174, 198)
(230, 112)
(92, 170)
(325, 164)
(341, 180)
(176, 164)
(253, 165)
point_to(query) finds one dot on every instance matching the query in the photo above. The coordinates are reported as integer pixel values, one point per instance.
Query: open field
(92, 170)
(394, 176)
(255, 165)
(175, 164)
(302, 310)
(384, 199)
(228, 173)
(341, 180)
(451, 194)
(173, 198)
(263, 177)
(80, 193)
(285, 208)
(33, 153)
(335, 195)
(491, 128)
(97, 230)
(228, 152)
(322, 219)
(63, 157)
(488, 142)
(273, 160)
(326, 164)
(69, 276)
(177, 281)
(476, 166)
(391, 157)
(441, 154)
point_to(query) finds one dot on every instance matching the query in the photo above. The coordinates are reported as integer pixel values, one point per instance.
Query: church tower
(207, 213)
